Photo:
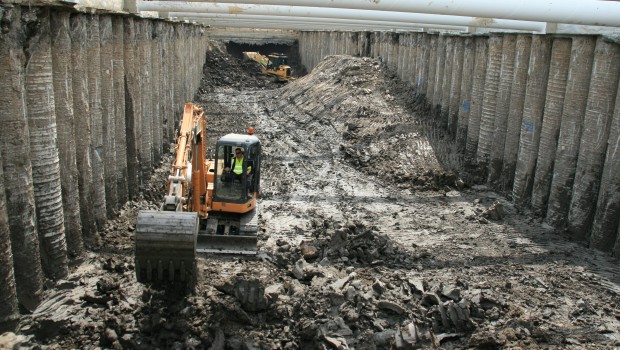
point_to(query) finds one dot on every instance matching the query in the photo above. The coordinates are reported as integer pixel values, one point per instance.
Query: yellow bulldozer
(274, 65)
(210, 205)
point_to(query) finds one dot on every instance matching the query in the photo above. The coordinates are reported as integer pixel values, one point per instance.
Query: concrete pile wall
(87, 104)
(537, 115)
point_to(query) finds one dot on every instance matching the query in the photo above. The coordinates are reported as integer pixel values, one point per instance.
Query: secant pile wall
(536, 115)
(87, 103)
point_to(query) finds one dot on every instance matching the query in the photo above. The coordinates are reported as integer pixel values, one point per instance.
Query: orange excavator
(210, 204)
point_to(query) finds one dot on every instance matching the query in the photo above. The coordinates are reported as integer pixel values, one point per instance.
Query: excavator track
(229, 233)
(166, 246)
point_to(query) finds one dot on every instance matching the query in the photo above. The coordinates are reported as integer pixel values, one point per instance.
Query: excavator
(209, 207)
(274, 65)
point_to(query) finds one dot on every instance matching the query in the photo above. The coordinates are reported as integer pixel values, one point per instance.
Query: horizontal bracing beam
(220, 20)
(299, 11)
(302, 26)
(585, 12)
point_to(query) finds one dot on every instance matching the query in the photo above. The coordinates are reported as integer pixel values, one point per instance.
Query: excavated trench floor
(369, 239)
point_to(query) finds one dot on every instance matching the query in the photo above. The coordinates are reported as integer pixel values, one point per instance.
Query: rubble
(355, 252)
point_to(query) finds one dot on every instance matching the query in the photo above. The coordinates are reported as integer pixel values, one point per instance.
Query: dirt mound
(381, 133)
(223, 70)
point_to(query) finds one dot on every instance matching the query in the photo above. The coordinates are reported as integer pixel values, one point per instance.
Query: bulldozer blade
(166, 246)
(226, 244)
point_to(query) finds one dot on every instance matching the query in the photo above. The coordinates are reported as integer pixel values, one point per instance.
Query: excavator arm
(189, 164)
(166, 239)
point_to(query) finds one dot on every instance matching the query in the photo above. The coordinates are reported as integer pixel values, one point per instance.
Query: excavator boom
(166, 240)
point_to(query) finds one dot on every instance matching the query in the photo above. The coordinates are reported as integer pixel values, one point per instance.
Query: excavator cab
(277, 59)
(237, 168)
(232, 223)
(278, 66)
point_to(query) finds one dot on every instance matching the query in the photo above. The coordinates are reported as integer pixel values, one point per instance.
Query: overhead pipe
(303, 26)
(329, 21)
(299, 11)
(585, 12)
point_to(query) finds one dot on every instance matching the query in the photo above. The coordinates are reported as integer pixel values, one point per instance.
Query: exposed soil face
(369, 239)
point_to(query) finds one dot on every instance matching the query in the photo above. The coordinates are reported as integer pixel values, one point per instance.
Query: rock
(351, 293)
(338, 240)
(336, 299)
(109, 336)
(106, 284)
(309, 251)
(350, 315)
(249, 344)
(251, 295)
(414, 336)
(430, 299)
(296, 288)
(304, 271)
(96, 299)
(384, 339)
(391, 306)
(447, 336)
(115, 264)
(509, 334)
(336, 327)
(265, 257)
(482, 340)
(10, 340)
(273, 291)
(300, 268)
(417, 284)
(451, 316)
(378, 287)
(338, 343)
(451, 293)
(494, 212)
(340, 284)
(218, 340)
(127, 341)
(309, 329)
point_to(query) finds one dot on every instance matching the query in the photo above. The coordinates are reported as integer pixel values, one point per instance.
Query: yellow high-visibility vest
(237, 165)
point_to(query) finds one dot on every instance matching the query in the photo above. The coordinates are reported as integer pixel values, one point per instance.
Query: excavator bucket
(166, 246)
(229, 234)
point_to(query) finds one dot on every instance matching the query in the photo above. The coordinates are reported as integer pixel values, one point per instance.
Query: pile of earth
(382, 132)
(223, 70)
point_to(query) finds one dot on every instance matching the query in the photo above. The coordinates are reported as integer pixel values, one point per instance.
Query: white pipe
(298, 11)
(586, 12)
(276, 19)
(303, 26)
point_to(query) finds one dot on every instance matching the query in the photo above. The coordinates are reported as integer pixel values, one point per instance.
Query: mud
(370, 238)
